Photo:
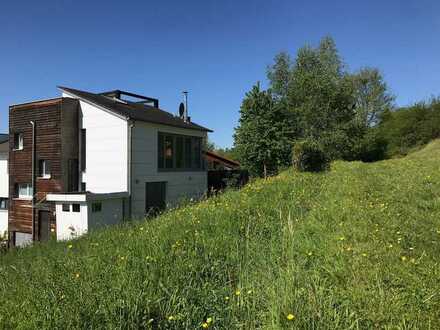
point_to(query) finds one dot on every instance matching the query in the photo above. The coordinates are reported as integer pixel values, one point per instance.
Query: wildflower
(70, 246)
(390, 246)
(205, 325)
(171, 318)
(290, 317)
(142, 228)
(237, 292)
(403, 258)
(122, 258)
(249, 292)
(209, 320)
(309, 253)
(77, 275)
(226, 298)
(342, 238)
(364, 254)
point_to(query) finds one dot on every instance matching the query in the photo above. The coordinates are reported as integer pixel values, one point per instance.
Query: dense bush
(308, 156)
(410, 127)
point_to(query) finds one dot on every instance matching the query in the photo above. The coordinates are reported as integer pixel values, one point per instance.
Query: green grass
(357, 247)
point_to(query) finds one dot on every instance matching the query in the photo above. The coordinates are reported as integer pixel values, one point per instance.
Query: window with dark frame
(66, 207)
(75, 207)
(179, 152)
(3, 203)
(44, 168)
(18, 141)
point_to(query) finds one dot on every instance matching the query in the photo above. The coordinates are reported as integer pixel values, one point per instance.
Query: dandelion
(77, 275)
(227, 298)
(309, 253)
(205, 325)
(237, 292)
(364, 254)
(141, 229)
(403, 258)
(290, 317)
(70, 246)
(122, 258)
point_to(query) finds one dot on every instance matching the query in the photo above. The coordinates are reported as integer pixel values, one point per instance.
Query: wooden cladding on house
(54, 136)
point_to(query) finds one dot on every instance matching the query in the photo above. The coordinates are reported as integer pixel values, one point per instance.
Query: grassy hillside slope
(357, 247)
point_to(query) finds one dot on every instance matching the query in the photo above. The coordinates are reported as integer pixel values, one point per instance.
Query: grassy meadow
(355, 248)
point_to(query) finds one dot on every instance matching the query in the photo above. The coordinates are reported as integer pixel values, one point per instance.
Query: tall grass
(357, 247)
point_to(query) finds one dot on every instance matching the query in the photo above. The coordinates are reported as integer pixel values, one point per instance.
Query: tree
(371, 95)
(262, 139)
(279, 74)
(321, 96)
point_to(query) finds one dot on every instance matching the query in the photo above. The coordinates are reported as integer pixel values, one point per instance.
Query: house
(4, 150)
(85, 160)
(218, 162)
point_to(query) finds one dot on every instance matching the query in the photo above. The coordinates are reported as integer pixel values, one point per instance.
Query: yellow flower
(142, 228)
(364, 254)
(226, 298)
(237, 292)
(170, 318)
(309, 253)
(249, 292)
(70, 246)
(122, 258)
(290, 317)
(342, 238)
(205, 325)
(77, 275)
(209, 320)
(403, 258)
(390, 246)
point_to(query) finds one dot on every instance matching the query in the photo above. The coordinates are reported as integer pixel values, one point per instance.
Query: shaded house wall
(56, 140)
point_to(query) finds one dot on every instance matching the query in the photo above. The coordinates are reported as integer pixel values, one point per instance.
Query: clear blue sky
(214, 49)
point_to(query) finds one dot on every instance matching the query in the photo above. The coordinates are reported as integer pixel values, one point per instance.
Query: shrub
(308, 156)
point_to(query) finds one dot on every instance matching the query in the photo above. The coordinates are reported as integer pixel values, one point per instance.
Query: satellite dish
(181, 109)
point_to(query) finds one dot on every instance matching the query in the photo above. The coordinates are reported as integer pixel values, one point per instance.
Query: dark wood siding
(50, 141)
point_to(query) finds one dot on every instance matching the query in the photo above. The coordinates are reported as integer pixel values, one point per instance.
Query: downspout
(33, 180)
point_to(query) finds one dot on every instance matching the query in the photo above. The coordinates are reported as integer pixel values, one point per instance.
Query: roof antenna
(185, 113)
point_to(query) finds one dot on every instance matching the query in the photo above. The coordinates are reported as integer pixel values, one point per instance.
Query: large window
(179, 152)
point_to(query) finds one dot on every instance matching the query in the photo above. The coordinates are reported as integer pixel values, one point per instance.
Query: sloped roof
(135, 111)
(4, 138)
(227, 161)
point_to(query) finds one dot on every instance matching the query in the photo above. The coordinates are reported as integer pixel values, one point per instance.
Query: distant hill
(357, 247)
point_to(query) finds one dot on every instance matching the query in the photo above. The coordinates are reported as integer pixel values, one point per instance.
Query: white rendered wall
(4, 179)
(111, 213)
(4, 183)
(71, 224)
(180, 185)
(106, 149)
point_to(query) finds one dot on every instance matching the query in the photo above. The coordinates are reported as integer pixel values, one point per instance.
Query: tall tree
(279, 74)
(371, 95)
(262, 139)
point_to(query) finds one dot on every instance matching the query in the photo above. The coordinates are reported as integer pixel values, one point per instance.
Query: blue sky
(215, 49)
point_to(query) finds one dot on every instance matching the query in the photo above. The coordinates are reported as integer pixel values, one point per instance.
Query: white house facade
(4, 179)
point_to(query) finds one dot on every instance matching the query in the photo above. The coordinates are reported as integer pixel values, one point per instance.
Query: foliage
(262, 139)
(356, 247)
(372, 96)
(308, 156)
(410, 127)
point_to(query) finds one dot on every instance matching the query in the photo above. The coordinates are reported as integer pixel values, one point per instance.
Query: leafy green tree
(372, 96)
(262, 139)
(279, 74)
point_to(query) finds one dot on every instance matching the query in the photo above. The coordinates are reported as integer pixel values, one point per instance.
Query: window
(23, 190)
(83, 149)
(44, 168)
(178, 152)
(96, 207)
(18, 141)
(3, 203)
(66, 207)
(83, 186)
(75, 207)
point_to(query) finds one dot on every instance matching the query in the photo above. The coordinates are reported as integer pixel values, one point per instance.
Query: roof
(135, 111)
(224, 160)
(4, 138)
